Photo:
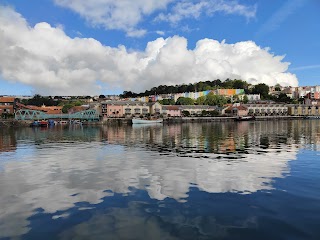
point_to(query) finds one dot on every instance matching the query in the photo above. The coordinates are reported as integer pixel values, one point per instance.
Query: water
(247, 180)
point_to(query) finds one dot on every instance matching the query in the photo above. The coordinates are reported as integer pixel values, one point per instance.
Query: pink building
(171, 111)
(313, 95)
(237, 111)
(129, 108)
(115, 110)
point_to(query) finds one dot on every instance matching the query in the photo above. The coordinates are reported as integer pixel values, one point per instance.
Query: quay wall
(126, 121)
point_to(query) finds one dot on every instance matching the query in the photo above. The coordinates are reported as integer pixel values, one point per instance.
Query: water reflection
(52, 170)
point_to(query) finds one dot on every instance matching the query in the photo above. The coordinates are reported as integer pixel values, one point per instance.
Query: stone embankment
(13, 123)
(126, 121)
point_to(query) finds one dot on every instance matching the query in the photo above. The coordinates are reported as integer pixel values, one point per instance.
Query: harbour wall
(126, 121)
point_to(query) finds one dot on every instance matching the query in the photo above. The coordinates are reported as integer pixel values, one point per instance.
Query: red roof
(172, 107)
(7, 99)
(237, 107)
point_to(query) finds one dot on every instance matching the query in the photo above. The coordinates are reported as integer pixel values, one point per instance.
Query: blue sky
(116, 58)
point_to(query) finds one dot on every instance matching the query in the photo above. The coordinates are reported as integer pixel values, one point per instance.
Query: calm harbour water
(247, 180)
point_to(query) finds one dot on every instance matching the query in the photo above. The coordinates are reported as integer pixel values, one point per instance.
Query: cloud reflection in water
(69, 166)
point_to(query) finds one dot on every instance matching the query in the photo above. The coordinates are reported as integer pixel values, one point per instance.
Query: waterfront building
(313, 95)
(7, 105)
(267, 109)
(43, 108)
(303, 110)
(196, 109)
(129, 108)
(239, 110)
(171, 110)
(314, 102)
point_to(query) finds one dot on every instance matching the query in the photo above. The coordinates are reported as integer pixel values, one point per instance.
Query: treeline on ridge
(192, 87)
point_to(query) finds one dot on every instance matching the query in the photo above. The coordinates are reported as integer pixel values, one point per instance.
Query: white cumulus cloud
(194, 9)
(45, 58)
(127, 14)
(115, 14)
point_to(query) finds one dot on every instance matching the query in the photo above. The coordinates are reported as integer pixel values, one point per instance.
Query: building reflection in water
(51, 170)
(7, 140)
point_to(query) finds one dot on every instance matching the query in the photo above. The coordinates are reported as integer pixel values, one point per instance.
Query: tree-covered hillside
(196, 87)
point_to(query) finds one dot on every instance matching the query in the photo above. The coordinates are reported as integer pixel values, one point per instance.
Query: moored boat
(245, 118)
(312, 117)
(35, 124)
(146, 121)
(43, 123)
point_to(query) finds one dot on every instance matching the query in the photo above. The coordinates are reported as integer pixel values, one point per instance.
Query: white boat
(245, 118)
(145, 121)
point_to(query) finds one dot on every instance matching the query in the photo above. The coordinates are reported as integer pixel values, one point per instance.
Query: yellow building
(303, 110)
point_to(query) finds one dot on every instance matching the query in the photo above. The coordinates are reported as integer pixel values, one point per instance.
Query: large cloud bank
(45, 58)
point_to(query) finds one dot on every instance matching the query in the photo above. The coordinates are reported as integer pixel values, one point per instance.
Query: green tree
(215, 100)
(239, 84)
(213, 113)
(262, 89)
(186, 113)
(201, 100)
(66, 107)
(283, 98)
(185, 101)
(77, 103)
(204, 113)
(245, 99)
(167, 101)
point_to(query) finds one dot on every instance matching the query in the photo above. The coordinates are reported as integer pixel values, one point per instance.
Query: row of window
(6, 104)
(264, 106)
(267, 110)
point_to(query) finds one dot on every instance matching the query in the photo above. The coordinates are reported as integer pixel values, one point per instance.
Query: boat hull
(145, 121)
(245, 118)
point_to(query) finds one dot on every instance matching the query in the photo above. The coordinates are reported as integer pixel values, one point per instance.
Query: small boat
(51, 122)
(35, 124)
(43, 123)
(146, 121)
(76, 122)
(312, 117)
(61, 122)
(245, 118)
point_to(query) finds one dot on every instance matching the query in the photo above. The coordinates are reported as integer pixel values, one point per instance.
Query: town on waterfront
(159, 120)
(259, 100)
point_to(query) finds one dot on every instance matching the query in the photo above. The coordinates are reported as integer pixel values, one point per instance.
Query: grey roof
(203, 107)
(129, 103)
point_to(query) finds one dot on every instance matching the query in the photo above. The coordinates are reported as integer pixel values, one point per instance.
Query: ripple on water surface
(188, 181)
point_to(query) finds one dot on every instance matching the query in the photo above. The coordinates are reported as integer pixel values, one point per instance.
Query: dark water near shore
(247, 180)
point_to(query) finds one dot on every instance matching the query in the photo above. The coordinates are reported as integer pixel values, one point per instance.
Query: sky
(81, 47)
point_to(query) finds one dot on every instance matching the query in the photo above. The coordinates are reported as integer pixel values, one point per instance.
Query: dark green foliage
(282, 97)
(66, 107)
(38, 100)
(261, 89)
(186, 113)
(167, 102)
(129, 94)
(212, 100)
(185, 101)
(245, 99)
(196, 87)
(212, 113)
